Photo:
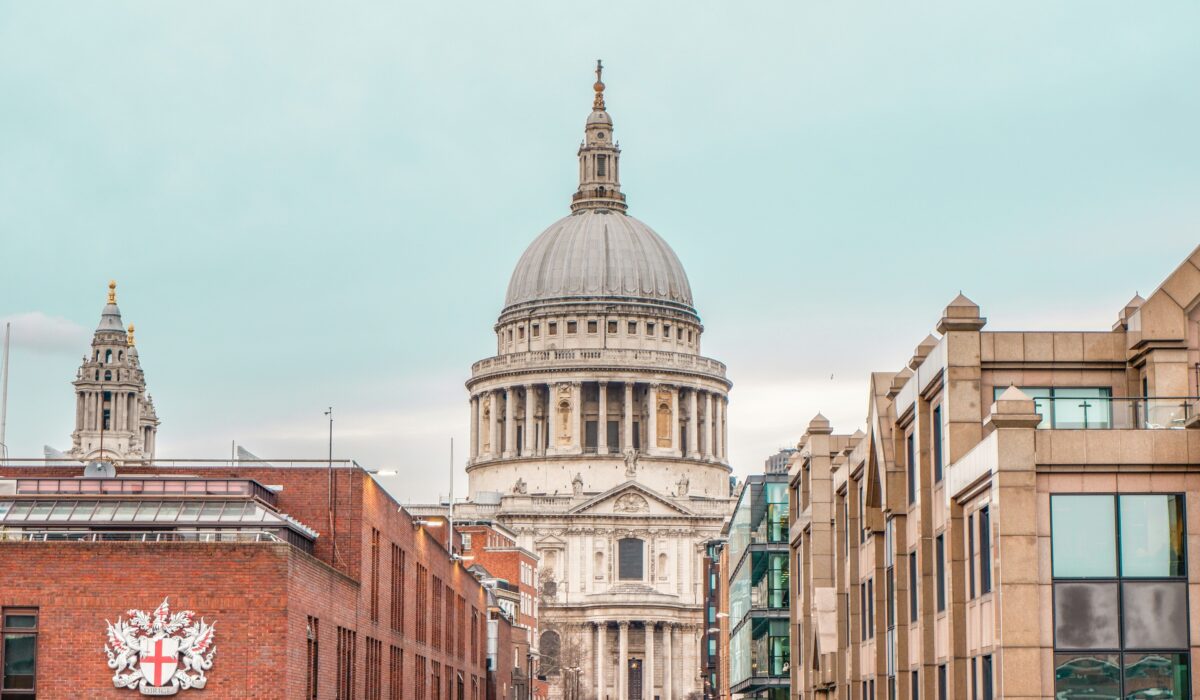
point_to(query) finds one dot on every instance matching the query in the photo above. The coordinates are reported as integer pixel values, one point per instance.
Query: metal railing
(155, 486)
(1103, 413)
(23, 535)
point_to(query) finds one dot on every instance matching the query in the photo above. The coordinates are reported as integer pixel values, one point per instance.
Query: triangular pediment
(629, 498)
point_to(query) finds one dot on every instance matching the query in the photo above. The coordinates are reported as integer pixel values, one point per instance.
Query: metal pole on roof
(450, 519)
(4, 395)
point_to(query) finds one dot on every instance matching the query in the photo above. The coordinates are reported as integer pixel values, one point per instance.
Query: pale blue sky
(313, 204)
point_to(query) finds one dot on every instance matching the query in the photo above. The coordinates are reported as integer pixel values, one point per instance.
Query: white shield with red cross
(158, 660)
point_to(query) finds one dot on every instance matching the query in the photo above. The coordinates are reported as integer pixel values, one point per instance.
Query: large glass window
(1083, 542)
(941, 572)
(1125, 618)
(18, 653)
(1066, 408)
(776, 494)
(985, 551)
(937, 443)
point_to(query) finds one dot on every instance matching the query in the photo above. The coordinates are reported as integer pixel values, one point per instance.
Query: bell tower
(114, 416)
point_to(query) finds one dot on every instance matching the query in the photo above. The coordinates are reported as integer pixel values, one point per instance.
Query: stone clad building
(1020, 518)
(598, 435)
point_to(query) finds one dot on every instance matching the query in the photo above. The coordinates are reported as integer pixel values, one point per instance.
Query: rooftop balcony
(598, 358)
(1108, 413)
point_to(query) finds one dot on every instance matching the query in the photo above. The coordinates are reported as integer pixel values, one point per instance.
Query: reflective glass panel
(62, 510)
(1155, 614)
(211, 511)
(4, 508)
(168, 512)
(1152, 539)
(84, 510)
(40, 510)
(1087, 676)
(1085, 616)
(1156, 676)
(19, 652)
(147, 511)
(1083, 536)
(1082, 408)
(125, 510)
(104, 511)
(233, 512)
(191, 511)
(19, 510)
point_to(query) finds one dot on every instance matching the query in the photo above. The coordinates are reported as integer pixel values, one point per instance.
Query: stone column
(602, 419)
(627, 415)
(510, 422)
(623, 660)
(601, 632)
(669, 660)
(719, 432)
(494, 424)
(648, 678)
(551, 420)
(673, 423)
(708, 426)
(651, 418)
(693, 441)
(576, 417)
(528, 442)
(475, 427)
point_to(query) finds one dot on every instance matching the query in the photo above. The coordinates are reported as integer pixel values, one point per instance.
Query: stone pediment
(630, 498)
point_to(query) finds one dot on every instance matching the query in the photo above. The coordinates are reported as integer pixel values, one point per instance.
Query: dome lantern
(599, 159)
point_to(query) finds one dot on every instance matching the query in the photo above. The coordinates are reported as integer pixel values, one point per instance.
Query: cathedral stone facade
(114, 416)
(598, 435)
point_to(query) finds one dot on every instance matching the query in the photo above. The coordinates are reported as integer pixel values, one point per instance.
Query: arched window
(107, 356)
(629, 559)
(107, 375)
(550, 644)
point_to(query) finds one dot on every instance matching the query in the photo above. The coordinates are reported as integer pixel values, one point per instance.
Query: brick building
(319, 585)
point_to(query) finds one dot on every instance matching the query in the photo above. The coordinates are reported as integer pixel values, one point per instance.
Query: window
(942, 682)
(18, 654)
(985, 551)
(911, 455)
(629, 552)
(601, 165)
(422, 602)
(397, 601)
(937, 443)
(435, 623)
(915, 687)
(612, 326)
(974, 680)
(986, 668)
(572, 327)
(592, 326)
(312, 659)
(552, 328)
(632, 329)
(374, 669)
(466, 540)
(1070, 408)
(912, 587)
(890, 595)
(941, 572)
(435, 680)
(649, 328)
(1120, 599)
(374, 575)
(347, 652)
(396, 673)
(666, 330)
(862, 610)
(535, 330)
(970, 556)
(510, 335)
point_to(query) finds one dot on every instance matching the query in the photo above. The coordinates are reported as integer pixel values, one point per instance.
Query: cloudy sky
(309, 205)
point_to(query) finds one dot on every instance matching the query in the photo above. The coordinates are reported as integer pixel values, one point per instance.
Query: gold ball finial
(129, 334)
(598, 103)
(112, 291)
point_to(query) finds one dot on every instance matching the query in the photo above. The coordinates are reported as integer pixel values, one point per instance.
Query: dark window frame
(6, 631)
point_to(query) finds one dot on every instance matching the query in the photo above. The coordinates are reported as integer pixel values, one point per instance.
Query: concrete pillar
(669, 660)
(708, 426)
(602, 420)
(510, 422)
(474, 427)
(627, 415)
(529, 438)
(601, 632)
(576, 417)
(673, 423)
(693, 440)
(623, 660)
(551, 420)
(648, 677)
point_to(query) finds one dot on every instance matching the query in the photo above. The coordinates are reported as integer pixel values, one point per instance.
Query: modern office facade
(759, 590)
(1017, 518)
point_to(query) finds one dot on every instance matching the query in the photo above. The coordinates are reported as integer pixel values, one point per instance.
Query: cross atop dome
(599, 181)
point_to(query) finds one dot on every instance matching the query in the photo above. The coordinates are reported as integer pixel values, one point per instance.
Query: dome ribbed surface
(598, 254)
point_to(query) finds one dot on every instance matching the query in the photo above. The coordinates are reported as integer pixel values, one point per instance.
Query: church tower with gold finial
(114, 416)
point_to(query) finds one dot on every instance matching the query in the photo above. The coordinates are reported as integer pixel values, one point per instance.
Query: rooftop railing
(157, 536)
(1104, 413)
(599, 356)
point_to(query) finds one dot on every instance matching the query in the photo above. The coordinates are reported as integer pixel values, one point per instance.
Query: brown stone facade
(1015, 500)
(360, 601)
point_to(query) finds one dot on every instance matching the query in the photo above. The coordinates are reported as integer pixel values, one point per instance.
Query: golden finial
(112, 291)
(129, 336)
(598, 103)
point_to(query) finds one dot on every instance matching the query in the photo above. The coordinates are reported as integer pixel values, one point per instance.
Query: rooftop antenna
(4, 394)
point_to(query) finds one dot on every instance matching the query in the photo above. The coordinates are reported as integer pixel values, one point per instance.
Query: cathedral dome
(598, 253)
